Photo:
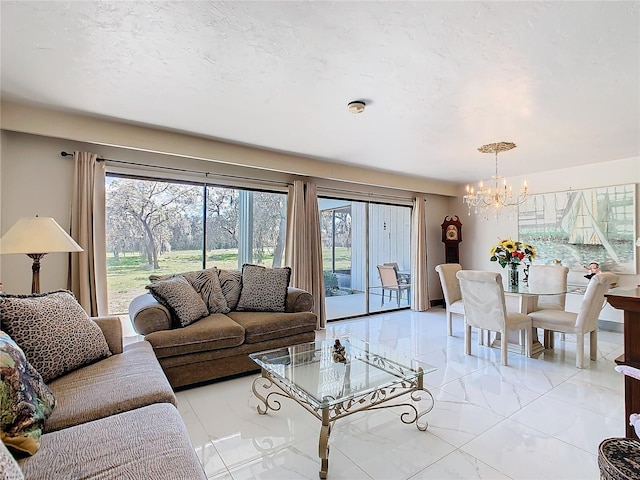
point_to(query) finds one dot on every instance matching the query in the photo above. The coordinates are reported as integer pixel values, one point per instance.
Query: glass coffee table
(333, 380)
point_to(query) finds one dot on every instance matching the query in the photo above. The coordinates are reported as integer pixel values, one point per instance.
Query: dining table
(523, 299)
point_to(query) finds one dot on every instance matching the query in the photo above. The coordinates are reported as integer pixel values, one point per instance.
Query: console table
(629, 302)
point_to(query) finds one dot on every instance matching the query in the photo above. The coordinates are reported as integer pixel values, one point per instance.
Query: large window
(162, 227)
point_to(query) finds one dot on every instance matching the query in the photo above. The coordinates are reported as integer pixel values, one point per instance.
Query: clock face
(452, 232)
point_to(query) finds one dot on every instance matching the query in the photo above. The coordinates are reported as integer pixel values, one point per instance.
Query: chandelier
(497, 194)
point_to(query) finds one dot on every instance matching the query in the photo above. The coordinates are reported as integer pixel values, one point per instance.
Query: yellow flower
(509, 245)
(532, 249)
(493, 250)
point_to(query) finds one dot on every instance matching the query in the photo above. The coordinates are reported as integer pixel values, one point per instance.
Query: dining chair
(451, 291)
(485, 308)
(549, 278)
(402, 277)
(389, 281)
(585, 321)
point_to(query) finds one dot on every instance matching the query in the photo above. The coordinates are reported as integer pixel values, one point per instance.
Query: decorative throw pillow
(207, 284)
(53, 330)
(25, 400)
(264, 289)
(180, 297)
(231, 284)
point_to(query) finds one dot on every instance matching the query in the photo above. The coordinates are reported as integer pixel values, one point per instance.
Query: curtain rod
(182, 170)
(366, 194)
(274, 182)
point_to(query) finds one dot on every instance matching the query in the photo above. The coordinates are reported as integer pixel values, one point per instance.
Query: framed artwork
(577, 227)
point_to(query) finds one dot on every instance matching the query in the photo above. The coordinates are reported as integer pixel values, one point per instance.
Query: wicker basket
(619, 459)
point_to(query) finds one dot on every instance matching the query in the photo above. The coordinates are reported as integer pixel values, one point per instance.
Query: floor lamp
(37, 236)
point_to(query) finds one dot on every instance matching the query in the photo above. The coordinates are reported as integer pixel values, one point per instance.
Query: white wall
(36, 180)
(480, 235)
(183, 147)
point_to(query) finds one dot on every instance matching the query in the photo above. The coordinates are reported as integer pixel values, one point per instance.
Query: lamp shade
(37, 235)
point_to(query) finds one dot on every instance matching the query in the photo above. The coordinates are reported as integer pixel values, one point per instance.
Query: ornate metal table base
(374, 400)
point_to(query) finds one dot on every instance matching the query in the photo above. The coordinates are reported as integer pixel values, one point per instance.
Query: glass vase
(513, 276)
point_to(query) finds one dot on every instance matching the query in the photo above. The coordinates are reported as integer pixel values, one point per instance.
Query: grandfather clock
(451, 237)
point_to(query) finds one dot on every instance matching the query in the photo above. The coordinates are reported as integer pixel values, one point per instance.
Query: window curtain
(303, 244)
(88, 270)
(419, 284)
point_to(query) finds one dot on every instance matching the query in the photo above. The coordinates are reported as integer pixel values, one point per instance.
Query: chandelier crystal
(496, 194)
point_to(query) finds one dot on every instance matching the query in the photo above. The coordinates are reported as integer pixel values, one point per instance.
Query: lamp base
(35, 269)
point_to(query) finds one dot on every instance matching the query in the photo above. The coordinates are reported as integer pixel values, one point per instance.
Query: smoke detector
(356, 107)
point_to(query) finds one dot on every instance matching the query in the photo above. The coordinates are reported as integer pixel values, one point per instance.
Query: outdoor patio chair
(389, 280)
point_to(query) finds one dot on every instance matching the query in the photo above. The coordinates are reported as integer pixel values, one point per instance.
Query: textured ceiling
(560, 79)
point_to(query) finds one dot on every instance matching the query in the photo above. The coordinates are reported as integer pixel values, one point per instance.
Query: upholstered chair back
(549, 278)
(483, 297)
(593, 300)
(449, 281)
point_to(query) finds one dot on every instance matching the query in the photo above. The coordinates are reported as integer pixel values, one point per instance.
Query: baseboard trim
(609, 326)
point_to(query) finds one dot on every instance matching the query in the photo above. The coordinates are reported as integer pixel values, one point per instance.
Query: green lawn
(343, 258)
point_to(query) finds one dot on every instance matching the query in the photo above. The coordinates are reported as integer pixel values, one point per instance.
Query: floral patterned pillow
(24, 398)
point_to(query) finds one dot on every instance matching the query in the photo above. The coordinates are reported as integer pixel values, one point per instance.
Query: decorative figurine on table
(593, 269)
(339, 352)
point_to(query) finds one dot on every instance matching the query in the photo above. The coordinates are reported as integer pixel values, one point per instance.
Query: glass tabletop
(523, 289)
(323, 379)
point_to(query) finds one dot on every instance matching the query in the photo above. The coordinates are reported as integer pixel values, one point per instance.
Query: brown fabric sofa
(218, 345)
(115, 418)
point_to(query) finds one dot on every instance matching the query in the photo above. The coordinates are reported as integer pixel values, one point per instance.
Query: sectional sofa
(110, 418)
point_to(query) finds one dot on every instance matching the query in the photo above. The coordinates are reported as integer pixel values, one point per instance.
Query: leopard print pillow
(180, 297)
(264, 289)
(206, 283)
(55, 333)
(230, 283)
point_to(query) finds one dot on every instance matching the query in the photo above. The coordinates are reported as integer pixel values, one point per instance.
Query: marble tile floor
(538, 418)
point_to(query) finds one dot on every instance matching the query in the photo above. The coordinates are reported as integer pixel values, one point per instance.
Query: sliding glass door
(357, 237)
(389, 257)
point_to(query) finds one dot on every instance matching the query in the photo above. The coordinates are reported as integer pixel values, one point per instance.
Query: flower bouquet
(513, 253)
